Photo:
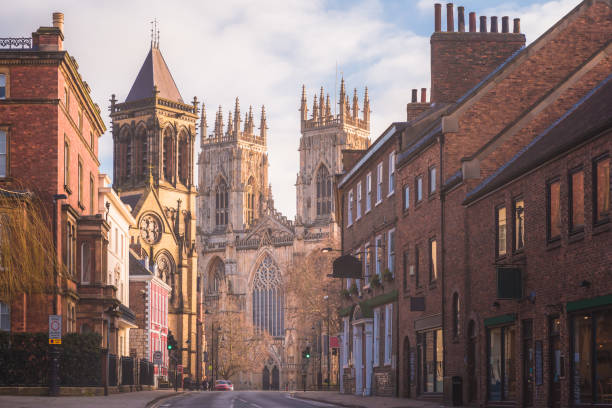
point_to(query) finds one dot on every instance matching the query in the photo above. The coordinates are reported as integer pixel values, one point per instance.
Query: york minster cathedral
(244, 244)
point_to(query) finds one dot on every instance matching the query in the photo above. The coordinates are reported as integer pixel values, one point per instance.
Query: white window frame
(379, 176)
(368, 192)
(358, 201)
(406, 197)
(391, 252)
(432, 180)
(345, 342)
(388, 333)
(348, 283)
(350, 208)
(376, 337)
(378, 260)
(419, 187)
(391, 174)
(5, 86)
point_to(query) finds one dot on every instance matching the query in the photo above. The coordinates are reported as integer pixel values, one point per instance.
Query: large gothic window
(268, 299)
(168, 159)
(323, 191)
(221, 204)
(142, 149)
(215, 278)
(183, 158)
(250, 201)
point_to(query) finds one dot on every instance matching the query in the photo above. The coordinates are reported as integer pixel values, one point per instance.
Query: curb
(340, 404)
(155, 400)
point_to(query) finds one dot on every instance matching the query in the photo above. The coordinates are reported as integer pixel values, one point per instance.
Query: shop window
(601, 188)
(592, 357)
(431, 360)
(553, 219)
(519, 224)
(576, 188)
(501, 364)
(500, 221)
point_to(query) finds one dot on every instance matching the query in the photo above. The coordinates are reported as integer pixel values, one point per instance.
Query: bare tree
(27, 254)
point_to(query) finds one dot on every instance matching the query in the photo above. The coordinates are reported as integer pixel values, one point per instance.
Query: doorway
(471, 362)
(407, 368)
(275, 379)
(556, 362)
(265, 380)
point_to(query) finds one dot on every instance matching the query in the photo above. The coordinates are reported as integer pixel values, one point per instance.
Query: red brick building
(49, 128)
(366, 192)
(449, 150)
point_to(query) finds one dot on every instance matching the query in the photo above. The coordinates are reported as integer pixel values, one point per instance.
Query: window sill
(601, 227)
(391, 193)
(553, 244)
(67, 189)
(81, 206)
(378, 203)
(575, 237)
(433, 285)
(501, 258)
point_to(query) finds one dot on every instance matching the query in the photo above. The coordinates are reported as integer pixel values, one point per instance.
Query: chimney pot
(414, 95)
(450, 19)
(461, 17)
(517, 26)
(438, 17)
(472, 22)
(423, 95)
(505, 24)
(494, 24)
(483, 24)
(58, 21)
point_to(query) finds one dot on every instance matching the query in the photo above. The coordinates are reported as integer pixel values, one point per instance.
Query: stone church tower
(154, 134)
(324, 136)
(246, 247)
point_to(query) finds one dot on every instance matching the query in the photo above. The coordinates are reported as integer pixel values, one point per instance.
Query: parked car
(224, 385)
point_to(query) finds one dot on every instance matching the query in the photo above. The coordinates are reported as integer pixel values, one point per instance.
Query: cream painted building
(244, 244)
(120, 220)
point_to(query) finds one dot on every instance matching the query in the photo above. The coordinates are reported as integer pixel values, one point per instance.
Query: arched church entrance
(265, 380)
(275, 379)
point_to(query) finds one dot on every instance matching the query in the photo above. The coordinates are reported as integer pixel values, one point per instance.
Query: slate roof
(137, 267)
(585, 120)
(154, 71)
(131, 200)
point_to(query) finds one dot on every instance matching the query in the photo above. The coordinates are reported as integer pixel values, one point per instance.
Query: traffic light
(307, 352)
(171, 342)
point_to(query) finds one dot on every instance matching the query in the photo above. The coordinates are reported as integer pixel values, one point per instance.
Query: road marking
(255, 405)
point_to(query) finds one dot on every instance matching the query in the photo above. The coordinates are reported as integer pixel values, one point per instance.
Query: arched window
(221, 204)
(216, 277)
(183, 158)
(456, 315)
(168, 159)
(142, 150)
(250, 201)
(268, 299)
(85, 263)
(323, 191)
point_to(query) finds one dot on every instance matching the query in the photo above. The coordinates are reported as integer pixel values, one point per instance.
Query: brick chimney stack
(50, 38)
(459, 59)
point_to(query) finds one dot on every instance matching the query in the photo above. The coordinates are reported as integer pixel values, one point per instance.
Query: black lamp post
(54, 352)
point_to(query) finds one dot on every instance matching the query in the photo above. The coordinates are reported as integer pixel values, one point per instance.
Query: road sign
(55, 341)
(55, 328)
(179, 368)
(157, 357)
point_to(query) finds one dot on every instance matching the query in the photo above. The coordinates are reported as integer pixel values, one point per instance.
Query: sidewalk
(355, 401)
(140, 399)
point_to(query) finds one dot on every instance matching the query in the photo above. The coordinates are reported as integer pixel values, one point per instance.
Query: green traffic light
(307, 355)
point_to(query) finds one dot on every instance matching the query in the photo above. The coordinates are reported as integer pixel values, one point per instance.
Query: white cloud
(260, 51)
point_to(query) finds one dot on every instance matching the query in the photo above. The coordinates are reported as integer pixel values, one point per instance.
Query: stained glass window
(268, 299)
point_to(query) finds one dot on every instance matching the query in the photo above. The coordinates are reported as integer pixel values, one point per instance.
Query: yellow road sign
(55, 341)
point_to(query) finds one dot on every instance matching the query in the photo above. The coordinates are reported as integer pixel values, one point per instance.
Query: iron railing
(23, 43)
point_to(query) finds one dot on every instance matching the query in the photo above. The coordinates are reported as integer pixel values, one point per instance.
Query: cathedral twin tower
(224, 246)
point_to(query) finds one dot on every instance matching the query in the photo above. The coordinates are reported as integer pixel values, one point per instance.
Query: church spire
(263, 128)
(219, 123)
(322, 106)
(203, 124)
(366, 107)
(327, 108)
(315, 109)
(355, 105)
(230, 125)
(303, 107)
(237, 118)
(342, 100)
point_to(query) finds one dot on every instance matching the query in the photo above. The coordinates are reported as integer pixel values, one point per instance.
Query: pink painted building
(149, 296)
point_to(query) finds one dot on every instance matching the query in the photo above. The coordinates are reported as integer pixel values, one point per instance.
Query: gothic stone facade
(245, 245)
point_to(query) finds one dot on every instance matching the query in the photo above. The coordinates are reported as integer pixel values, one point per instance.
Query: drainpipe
(442, 230)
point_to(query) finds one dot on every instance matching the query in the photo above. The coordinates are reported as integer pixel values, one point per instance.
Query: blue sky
(263, 51)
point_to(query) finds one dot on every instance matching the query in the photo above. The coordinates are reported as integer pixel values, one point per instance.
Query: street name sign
(55, 329)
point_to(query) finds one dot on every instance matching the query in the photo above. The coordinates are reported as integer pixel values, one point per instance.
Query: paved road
(239, 399)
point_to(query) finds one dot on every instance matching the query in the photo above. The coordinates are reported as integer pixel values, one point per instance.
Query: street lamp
(326, 298)
(54, 352)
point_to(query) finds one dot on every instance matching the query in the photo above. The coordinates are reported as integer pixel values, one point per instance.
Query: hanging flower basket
(387, 275)
(375, 281)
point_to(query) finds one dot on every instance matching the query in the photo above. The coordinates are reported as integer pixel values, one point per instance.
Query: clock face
(150, 229)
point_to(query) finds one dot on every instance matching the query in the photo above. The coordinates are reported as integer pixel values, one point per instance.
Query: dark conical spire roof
(154, 72)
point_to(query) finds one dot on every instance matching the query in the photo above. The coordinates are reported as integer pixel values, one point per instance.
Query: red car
(224, 385)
